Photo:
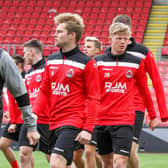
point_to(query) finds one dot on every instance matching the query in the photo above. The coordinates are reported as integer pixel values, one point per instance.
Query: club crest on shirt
(70, 73)
(129, 74)
(38, 78)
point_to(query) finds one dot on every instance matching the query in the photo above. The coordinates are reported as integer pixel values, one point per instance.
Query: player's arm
(12, 108)
(153, 72)
(44, 93)
(141, 82)
(91, 80)
(14, 82)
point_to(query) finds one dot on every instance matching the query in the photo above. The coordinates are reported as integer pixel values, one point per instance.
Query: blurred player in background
(92, 47)
(138, 50)
(10, 75)
(12, 130)
(70, 78)
(119, 71)
(33, 50)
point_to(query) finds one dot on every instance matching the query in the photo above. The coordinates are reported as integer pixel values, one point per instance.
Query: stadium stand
(23, 19)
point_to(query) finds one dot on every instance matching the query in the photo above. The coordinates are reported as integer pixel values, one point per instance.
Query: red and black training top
(69, 80)
(118, 75)
(33, 81)
(146, 55)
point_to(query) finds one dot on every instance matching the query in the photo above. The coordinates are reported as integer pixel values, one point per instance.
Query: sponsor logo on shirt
(117, 87)
(129, 74)
(33, 93)
(60, 89)
(38, 78)
(70, 73)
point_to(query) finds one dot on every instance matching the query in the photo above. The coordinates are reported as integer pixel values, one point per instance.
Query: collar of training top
(70, 53)
(38, 63)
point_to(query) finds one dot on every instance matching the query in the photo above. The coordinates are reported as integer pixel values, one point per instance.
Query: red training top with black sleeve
(146, 55)
(14, 111)
(33, 81)
(69, 80)
(118, 75)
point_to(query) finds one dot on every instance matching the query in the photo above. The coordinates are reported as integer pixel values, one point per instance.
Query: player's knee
(89, 154)
(3, 145)
(77, 155)
(24, 156)
(120, 161)
(107, 160)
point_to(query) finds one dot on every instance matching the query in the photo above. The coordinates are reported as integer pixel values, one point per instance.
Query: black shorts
(44, 132)
(114, 139)
(139, 118)
(23, 140)
(62, 141)
(13, 136)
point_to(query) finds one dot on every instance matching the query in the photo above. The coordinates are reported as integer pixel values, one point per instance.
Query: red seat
(7, 40)
(32, 3)
(48, 3)
(35, 15)
(11, 32)
(104, 9)
(50, 41)
(164, 51)
(102, 15)
(147, 4)
(24, 3)
(26, 38)
(17, 40)
(36, 33)
(33, 21)
(139, 4)
(98, 4)
(28, 33)
(16, 20)
(40, 3)
(31, 26)
(105, 4)
(89, 4)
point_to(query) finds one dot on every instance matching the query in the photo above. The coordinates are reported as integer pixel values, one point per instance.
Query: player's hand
(84, 137)
(12, 128)
(35, 116)
(153, 124)
(6, 115)
(33, 137)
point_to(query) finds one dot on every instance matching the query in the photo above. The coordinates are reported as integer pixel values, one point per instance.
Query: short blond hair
(74, 23)
(96, 41)
(119, 27)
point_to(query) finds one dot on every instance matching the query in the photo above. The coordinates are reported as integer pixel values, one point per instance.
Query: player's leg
(121, 136)
(104, 145)
(5, 142)
(90, 154)
(133, 160)
(26, 149)
(63, 145)
(44, 132)
(99, 161)
(9, 154)
(78, 157)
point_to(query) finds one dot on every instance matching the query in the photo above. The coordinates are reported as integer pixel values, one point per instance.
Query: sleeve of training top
(14, 82)
(44, 93)
(153, 72)
(141, 81)
(91, 79)
(12, 108)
